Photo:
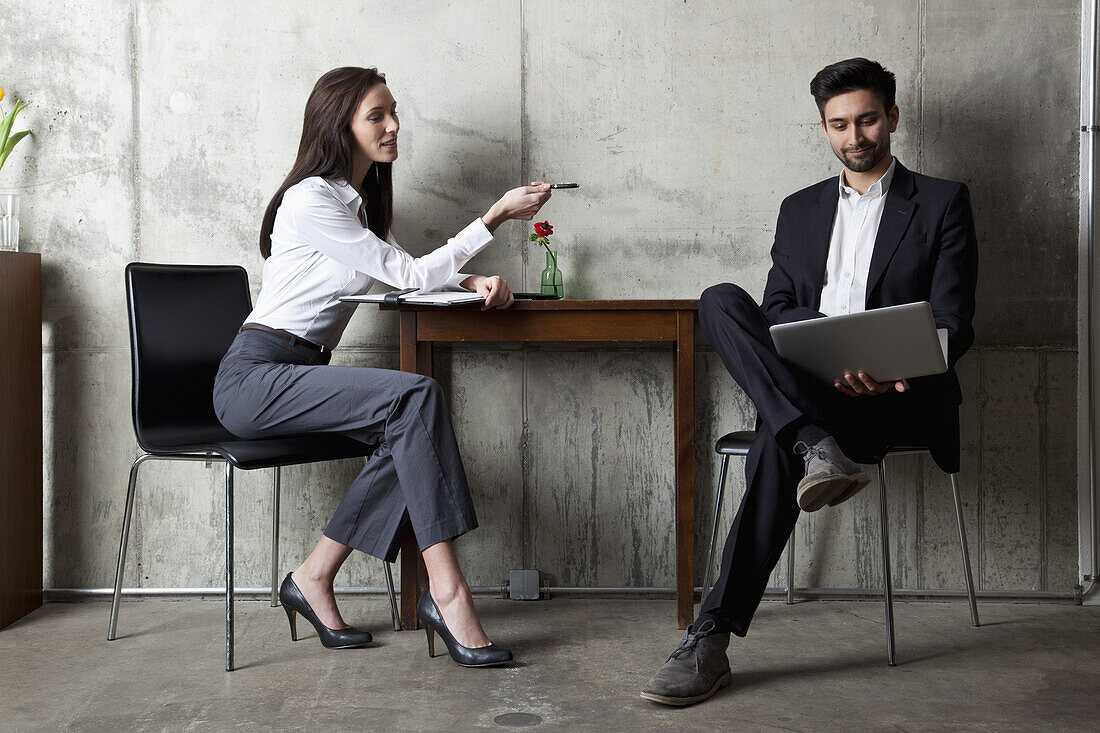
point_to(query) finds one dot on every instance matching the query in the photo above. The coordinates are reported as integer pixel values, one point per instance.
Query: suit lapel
(820, 231)
(896, 215)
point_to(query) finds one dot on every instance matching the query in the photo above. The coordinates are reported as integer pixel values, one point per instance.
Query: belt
(289, 337)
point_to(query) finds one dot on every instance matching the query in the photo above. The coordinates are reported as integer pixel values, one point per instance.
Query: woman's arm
(326, 225)
(493, 288)
(519, 203)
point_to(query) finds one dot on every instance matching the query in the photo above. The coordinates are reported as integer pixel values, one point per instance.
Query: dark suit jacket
(926, 249)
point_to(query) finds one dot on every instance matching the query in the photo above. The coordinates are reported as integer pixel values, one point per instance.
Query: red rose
(543, 229)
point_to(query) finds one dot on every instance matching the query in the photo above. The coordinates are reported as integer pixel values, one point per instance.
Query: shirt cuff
(473, 238)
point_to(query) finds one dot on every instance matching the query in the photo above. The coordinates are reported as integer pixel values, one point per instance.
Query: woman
(326, 234)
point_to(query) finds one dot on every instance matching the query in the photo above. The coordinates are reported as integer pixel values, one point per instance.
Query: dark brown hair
(851, 75)
(326, 149)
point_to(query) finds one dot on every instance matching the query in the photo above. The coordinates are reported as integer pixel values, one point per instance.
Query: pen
(565, 185)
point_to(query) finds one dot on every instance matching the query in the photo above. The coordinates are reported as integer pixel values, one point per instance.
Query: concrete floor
(812, 666)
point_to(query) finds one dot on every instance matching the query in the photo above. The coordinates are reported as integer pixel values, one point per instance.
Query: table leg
(416, 357)
(684, 430)
(412, 577)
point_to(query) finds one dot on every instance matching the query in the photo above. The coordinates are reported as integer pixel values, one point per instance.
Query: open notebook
(440, 297)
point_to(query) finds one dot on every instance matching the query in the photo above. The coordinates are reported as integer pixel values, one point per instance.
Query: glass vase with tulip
(9, 199)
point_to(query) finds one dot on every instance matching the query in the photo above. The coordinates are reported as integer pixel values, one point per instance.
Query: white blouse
(321, 251)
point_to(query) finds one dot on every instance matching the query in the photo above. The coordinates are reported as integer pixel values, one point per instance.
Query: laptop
(892, 343)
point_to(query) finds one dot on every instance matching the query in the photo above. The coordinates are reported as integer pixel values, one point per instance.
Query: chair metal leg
(393, 597)
(275, 538)
(123, 543)
(714, 526)
(888, 587)
(965, 551)
(790, 568)
(228, 566)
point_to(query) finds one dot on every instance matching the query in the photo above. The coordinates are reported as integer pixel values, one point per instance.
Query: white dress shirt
(855, 228)
(321, 251)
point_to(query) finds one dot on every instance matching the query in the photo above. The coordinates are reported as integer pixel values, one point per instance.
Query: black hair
(851, 75)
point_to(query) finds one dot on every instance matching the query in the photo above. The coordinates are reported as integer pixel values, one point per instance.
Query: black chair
(182, 320)
(946, 456)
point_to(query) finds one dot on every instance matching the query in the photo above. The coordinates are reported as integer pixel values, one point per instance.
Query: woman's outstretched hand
(494, 289)
(519, 203)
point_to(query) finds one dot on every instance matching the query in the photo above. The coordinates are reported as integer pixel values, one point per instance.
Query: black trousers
(863, 427)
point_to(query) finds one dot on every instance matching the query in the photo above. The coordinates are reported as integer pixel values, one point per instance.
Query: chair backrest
(182, 320)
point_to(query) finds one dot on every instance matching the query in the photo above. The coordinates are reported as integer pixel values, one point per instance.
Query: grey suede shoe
(831, 477)
(695, 671)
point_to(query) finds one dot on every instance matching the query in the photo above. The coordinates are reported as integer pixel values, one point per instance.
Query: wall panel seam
(1043, 396)
(919, 522)
(524, 126)
(526, 552)
(920, 84)
(980, 493)
(135, 132)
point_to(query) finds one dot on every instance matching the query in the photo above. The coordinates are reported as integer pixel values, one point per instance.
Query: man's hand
(494, 289)
(862, 385)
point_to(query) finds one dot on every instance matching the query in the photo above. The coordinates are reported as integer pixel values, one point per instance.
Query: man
(878, 235)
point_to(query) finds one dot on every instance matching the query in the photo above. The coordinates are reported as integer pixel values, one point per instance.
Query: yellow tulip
(1, 92)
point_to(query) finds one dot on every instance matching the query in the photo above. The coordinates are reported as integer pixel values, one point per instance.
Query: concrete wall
(162, 128)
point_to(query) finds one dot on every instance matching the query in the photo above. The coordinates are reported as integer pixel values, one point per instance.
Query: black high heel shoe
(294, 603)
(482, 656)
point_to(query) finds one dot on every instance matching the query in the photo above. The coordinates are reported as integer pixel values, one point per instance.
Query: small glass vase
(9, 221)
(551, 277)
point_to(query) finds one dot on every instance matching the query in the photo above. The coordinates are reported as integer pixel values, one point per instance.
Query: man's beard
(862, 165)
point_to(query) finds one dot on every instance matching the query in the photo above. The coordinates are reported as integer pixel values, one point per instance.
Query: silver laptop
(896, 342)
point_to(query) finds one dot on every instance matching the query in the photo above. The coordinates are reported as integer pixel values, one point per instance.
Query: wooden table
(668, 321)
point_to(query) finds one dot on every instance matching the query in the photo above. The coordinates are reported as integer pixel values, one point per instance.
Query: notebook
(440, 298)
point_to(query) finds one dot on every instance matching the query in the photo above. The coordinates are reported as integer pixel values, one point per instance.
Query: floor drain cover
(517, 720)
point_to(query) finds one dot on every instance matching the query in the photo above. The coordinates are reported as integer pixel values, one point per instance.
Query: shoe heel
(292, 617)
(431, 641)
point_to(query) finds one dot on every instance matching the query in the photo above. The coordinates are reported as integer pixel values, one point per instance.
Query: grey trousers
(268, 386)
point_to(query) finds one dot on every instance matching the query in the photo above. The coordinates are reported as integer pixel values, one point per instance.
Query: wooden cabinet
(20, 434)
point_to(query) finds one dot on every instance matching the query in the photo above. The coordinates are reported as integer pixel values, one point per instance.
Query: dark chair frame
(203, 305)
(738, 444)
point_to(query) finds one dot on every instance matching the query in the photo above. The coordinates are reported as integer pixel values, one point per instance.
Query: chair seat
(735, 444)
(271, 452)
(739, 442)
